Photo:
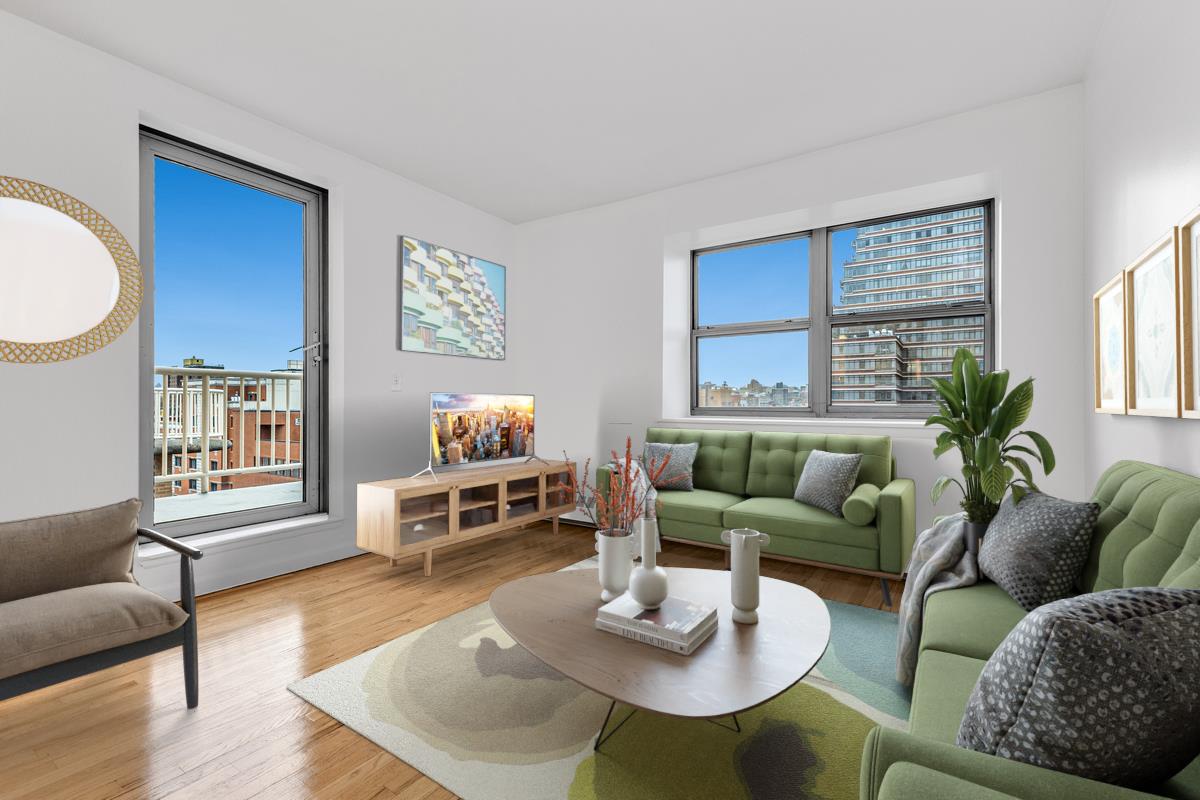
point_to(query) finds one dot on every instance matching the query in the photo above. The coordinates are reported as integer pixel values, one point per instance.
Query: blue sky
(228, 271)
(762, 282)
(494, 275)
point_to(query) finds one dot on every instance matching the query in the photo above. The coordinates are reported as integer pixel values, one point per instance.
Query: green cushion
(940, 692)
(702, 506)
(777, 459)
(971, 621)
(785, 517)
(908, 781)
(690, 531)
(1148, 533)
(721, 461)
(886, 749)
(859, 508)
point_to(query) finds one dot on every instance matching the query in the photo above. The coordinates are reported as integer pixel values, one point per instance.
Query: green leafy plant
(983, 420)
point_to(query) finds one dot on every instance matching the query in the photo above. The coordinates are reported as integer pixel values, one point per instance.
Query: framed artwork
(1108, 332)
(450, 303)
(1152, 331)
(1189, 314)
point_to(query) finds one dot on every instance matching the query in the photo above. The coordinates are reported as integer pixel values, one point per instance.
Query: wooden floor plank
(125, 733)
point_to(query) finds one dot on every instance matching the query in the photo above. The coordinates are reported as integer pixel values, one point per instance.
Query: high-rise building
(935, 259)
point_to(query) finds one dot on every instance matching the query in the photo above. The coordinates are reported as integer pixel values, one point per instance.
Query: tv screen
(469, 428)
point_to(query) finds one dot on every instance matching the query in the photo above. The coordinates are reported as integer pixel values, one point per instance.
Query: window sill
(908, 428)
(235, 538)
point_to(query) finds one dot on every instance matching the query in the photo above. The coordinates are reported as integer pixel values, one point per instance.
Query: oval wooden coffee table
(740, 666)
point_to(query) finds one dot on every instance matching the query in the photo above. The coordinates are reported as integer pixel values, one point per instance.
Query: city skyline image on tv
(468, 428)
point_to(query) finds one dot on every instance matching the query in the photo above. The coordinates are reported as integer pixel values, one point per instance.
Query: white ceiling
(529, 108)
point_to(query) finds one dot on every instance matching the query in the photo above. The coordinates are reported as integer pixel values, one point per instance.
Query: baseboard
(252, 561)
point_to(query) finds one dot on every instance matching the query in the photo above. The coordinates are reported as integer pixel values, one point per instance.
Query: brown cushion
(47, 554)
(48, 628)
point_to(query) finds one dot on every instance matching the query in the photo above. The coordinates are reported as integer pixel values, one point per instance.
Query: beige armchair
(69, 604)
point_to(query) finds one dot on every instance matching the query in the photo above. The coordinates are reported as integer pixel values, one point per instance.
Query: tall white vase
(745, 544)
(616, 559)
(648, 581)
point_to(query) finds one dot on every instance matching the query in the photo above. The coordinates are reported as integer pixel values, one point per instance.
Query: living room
(667, 230)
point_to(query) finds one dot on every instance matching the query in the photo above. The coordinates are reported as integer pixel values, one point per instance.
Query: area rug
(462, 703)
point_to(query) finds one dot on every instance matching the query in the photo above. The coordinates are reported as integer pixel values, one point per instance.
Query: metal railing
(207, 398)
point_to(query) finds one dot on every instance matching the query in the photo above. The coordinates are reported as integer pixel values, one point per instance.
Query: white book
(676, 619)
(639, 635)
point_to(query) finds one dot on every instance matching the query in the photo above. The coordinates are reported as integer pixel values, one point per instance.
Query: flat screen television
(473, 428)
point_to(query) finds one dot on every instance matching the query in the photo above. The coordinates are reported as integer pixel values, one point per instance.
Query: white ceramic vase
(648, 581)
(616, 559)
(745, 544)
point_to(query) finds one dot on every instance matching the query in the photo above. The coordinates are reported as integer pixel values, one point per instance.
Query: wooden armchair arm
(173, 544)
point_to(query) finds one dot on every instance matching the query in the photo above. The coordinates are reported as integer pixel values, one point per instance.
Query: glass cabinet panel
(478, 506)
(523, 496)
(425, 517)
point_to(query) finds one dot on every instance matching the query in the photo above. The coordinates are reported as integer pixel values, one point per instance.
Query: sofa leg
(887, 592)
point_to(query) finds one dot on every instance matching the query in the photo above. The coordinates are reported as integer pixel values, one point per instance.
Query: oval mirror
(71, 283)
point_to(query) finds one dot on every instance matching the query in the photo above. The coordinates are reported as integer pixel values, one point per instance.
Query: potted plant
(615, 511)
(982, 420)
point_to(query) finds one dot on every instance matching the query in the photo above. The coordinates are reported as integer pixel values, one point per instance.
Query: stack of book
(676, 625)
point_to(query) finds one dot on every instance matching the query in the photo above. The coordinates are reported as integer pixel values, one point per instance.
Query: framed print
(1108, 332)
(450, 303)
(1189, 314)
(1152, 332)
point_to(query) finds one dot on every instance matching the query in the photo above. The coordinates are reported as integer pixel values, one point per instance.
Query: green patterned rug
(461, 702)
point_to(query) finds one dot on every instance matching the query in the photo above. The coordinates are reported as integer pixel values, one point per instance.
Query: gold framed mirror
(70, 283)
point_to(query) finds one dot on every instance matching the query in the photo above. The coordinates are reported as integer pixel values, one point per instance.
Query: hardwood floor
(125, 733)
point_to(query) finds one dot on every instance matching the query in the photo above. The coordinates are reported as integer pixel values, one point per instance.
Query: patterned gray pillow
(1035, 549)
(828, 479)
(1102, 685)
(678, 473)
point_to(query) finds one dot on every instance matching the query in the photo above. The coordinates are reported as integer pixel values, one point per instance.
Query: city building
(933, 260)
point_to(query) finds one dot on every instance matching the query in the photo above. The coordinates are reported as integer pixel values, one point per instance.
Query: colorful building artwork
(451, 303)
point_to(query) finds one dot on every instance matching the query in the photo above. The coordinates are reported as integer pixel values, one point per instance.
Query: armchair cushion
(65, 551)
(57, 626)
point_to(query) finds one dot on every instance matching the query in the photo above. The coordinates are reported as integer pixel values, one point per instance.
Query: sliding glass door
(233, 341)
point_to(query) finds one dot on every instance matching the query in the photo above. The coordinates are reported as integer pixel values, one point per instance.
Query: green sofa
(1148, 534)
(746, 479)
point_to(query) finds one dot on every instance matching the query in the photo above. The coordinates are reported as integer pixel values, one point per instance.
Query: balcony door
(233, 341)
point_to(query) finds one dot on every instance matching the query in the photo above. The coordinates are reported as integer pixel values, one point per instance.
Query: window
(225, 372)
(852, 319)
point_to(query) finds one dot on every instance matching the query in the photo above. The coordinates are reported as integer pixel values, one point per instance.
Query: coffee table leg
(601, 738)
(737, 726)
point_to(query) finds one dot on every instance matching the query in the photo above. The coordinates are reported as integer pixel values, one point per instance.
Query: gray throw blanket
(939, 561)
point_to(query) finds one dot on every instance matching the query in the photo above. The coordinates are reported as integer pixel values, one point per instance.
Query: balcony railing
(225, 411)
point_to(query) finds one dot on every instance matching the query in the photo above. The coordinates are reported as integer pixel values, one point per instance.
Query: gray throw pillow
(827, 480)
(678, 472)
(1036, 549)
(1102, 685)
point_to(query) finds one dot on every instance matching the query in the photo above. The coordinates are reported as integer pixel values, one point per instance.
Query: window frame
(156, 144)
(821, 322)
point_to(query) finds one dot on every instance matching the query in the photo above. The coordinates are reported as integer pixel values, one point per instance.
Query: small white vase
(616, 559)
(648, 581)
(745, 544)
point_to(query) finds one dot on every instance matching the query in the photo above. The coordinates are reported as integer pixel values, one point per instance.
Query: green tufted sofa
(746, 479)
(1148, 534)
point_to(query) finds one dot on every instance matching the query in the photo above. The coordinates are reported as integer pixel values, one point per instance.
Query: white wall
(603, 272)
(586, 300)
(69, 118)
(1143, 175)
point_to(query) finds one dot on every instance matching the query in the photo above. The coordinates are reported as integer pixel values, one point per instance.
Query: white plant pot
(745, 544)
(648, 582)
(616, 559)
